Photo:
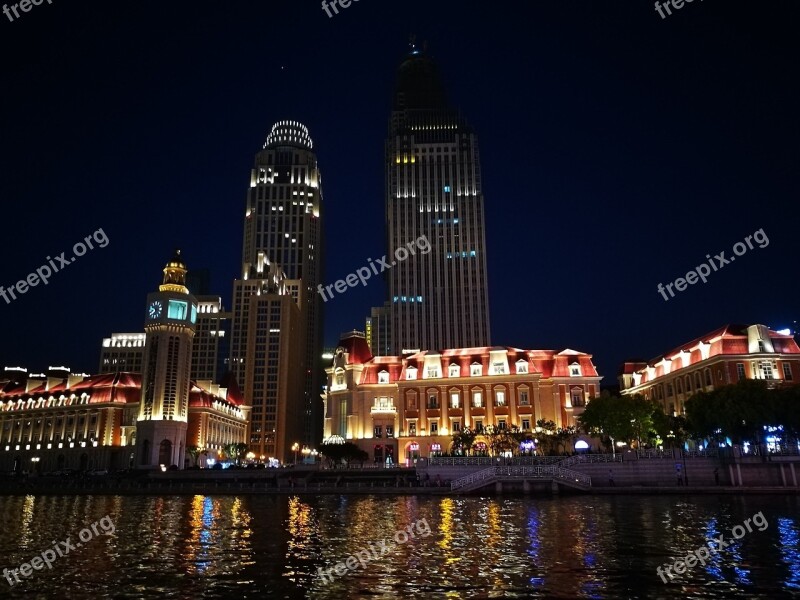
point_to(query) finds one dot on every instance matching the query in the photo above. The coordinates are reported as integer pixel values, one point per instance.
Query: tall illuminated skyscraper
(283, 230)
(434, 189)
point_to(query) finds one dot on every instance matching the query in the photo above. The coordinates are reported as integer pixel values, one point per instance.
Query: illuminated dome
(176, 262)
(289, 133)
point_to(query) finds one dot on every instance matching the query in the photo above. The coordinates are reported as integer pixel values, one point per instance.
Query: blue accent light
(447, 189)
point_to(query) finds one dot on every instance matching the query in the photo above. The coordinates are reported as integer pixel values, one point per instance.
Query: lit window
(383, 377)
(455, 400)
(434, 428)
(740, 371)
(523, 398)
(447, 189)
(522, 367)
(475, 370)
(575, 370)
(177, 310)
(499, 368)
(454, 371)
(432, 372)
(766, 369)
(411, 373)
(577, 398)
(477, 400)
(500, 398)
(412, 428)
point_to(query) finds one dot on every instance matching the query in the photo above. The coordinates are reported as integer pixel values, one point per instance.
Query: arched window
(165, 453)
(708, 377)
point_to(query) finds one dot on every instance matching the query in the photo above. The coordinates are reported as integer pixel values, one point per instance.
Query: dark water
(271, 547)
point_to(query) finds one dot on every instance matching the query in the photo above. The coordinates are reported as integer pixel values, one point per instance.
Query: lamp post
(295, 448)
(306, 451)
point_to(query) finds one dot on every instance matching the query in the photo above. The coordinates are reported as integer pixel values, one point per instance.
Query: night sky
(618, 149)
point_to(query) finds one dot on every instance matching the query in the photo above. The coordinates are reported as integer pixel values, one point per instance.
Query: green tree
(194, 453)
(625, 418)
(463, 440)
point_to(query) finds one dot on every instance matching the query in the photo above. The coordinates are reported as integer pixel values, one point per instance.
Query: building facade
(50, 422)
(377, 330)
(269, 355)
(406, 407)
(283, 227)
(122, 352)
(434, 189)
(211, 346)
(721, 357)
(170, 320)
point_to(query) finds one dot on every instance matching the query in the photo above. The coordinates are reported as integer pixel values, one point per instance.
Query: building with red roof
(721, 357)
(59, 420)
(406, 407)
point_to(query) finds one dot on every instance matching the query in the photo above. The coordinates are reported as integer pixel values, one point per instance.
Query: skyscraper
(434, 189)
(283, 229)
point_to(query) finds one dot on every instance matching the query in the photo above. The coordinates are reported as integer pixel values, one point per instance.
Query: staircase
(556, 473)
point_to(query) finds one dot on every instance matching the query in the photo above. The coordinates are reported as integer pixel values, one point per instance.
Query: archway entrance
(165, 453)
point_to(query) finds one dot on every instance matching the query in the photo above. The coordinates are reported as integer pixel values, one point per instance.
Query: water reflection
(480, 547)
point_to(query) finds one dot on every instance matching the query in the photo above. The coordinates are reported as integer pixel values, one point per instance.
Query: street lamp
(295, 448)
(306, 451)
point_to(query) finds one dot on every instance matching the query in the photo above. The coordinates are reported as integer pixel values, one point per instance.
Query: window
(501, 424)
(708, 377)
(522, 367)
(740, 371)
(698, 382)
(455, 400)
(475, 370)
(412, 428)
(378, 430)
(688, 384)
(434, 428)
(477, 401)
(500, 398)
(176, 309)
(766, 369)
(432, 372)
(761, 347)
(411, 373)
(575, 370)
(383, 377)
(389, 431)
(412, 403)
(523, 398)
(787, 371)
(479, 425)
(669, 390)
(339, 377)
(577, 398)
(680, 386)
(499, 368)
(526, 424)
(456, 426)
(454, 371)
(433, 401)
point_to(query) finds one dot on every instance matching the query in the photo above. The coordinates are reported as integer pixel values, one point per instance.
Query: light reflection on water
(512, 547)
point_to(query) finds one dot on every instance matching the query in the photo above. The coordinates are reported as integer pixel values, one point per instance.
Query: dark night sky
(618, 149)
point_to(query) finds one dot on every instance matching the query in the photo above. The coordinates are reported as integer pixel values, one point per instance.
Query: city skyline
(578, 229)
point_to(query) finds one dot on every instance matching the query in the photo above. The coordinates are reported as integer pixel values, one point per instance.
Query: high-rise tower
(434, 189)
(283, 228)
(164, 405)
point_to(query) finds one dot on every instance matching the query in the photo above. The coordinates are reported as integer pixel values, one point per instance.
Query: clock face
(154, 312)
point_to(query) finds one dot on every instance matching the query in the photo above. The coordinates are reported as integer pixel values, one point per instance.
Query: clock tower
(163, 408)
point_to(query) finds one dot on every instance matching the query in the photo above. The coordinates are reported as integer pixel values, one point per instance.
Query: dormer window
(575, 370)
(498, 368)
(411, 373)
(522, 367)
(383, 377)
(432, 372)
(475, 370)
(454, 371)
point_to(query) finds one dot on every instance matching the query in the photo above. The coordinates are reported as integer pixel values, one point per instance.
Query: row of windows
(455, 427)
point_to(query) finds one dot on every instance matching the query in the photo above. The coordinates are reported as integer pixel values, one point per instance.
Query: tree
(626, 418)
(347, 452)
(235, 452)
(194, 453)
(464, 440)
